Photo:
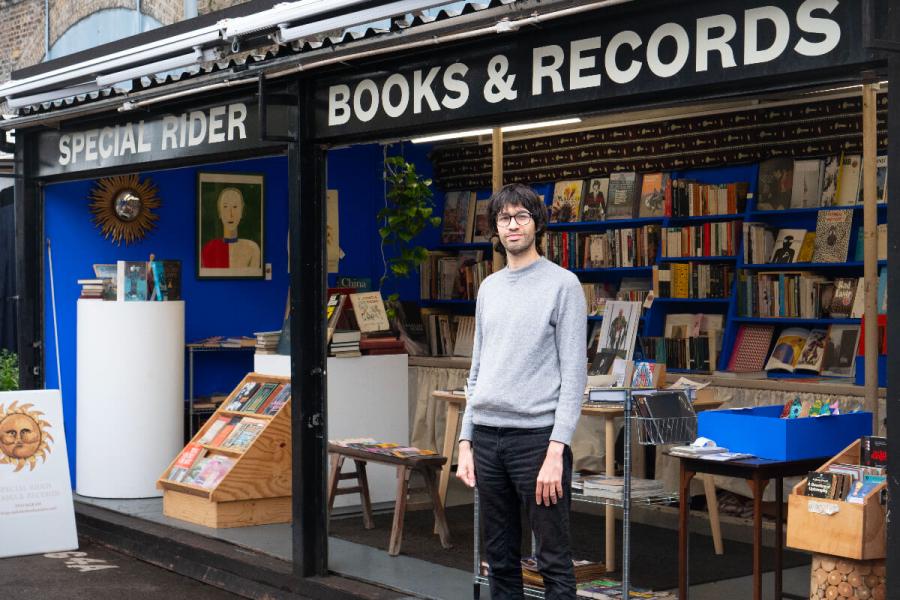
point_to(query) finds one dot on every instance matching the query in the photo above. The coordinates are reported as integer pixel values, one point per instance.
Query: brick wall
(164, 11)
(21, 35)
(65, 13)
(207, 6)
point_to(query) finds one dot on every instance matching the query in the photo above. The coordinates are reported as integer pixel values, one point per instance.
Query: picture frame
(230, 225)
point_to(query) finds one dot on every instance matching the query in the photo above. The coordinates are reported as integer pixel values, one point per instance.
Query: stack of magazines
(603, 486)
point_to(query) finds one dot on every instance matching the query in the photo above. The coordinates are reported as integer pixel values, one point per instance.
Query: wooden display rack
(256, 490)
(855, 531)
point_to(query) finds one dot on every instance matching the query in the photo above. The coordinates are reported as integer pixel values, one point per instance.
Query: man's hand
(465, 465)
(549, 482)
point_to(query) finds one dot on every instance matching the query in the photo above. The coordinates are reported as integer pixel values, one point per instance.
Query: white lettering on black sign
(596, 61)
(197, 127)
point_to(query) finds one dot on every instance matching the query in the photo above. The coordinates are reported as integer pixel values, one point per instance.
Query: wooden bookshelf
(257, 488)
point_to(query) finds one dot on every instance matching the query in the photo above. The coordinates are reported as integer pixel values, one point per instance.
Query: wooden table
(424, 465)
(758, 472)
(456, 404)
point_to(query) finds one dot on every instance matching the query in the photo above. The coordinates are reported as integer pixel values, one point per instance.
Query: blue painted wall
(256, 305)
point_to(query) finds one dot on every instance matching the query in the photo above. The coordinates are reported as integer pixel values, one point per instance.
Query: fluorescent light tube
(508, 128)
(540, 125)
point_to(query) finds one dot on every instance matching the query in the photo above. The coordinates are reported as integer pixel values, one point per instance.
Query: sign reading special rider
(720, 46)
(36, 510)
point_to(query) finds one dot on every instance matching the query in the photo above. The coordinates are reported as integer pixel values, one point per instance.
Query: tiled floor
(416, 577)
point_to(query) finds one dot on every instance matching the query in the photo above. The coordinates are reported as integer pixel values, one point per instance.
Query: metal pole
(28, 203)
(626, 500)
(306, 164)
(870, 250)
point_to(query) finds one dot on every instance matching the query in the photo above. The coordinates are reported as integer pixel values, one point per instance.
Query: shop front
(709, 91)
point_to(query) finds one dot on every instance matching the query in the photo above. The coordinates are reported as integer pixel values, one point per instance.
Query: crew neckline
(516, 274)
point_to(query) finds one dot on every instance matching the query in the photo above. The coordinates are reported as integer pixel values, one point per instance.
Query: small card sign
(35, 490)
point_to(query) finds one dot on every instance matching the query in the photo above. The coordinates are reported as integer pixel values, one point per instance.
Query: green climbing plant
(9, 371)
(408, 211)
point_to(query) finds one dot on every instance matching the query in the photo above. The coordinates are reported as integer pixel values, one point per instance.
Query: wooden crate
(855, 531)
(257, 488)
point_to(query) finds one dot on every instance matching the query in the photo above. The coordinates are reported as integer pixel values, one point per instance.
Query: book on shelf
(647, 374)
(163, 280)
(596, 296)
(464, 338)
(787, 246)
(259, 397)
(595, 198)
(688, 198)
(411, 327)
(874, 451)
(244, 433)
(662, 404)
(652, 197)
(267, 341)
(840, 350)
(794, 294)
(881, 167)
(759, 242)
(707, 239)
(848, 181)
(242, 396)
(806, 191)
(776, 179)
(807, 248)
(882, 336)
(830, 168)
(751, 347)
(459, 215)
(798, 349)
(621, 199)
(859, 299)
(481, 228)
(604, 486)
(209, 471)
(693, 280)
(278, 399)
(131, 280)
(844, 294)
(832, 235)
(566, 205)
(453, 275)
(189, 455)
(621, 247)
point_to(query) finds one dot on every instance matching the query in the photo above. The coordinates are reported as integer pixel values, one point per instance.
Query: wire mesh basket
(668, 430)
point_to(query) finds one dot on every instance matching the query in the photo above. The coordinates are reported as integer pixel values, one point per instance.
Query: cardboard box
(760, 432)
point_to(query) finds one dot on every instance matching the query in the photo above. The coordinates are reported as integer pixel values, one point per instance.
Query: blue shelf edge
(731, 258)
(699, 300)
(611, 269)
(780, 320)
(802, 211)
(610, 224)
(783, 267)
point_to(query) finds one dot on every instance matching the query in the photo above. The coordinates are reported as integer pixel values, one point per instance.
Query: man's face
(231, 209)
(20, 436)
(516, 238)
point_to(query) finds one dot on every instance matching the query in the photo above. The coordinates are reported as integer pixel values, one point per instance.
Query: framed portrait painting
(230, 226)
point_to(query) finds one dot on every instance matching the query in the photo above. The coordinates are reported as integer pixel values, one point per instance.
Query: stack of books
(92, 289)
(370, 343)
(345, 343)
(603, 486)
(585, 570)
(267, 341)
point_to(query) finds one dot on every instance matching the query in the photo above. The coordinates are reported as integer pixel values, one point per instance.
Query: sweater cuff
(562, 434)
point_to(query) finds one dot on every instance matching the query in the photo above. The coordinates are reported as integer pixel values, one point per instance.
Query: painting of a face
(231, 208)
(20, 436)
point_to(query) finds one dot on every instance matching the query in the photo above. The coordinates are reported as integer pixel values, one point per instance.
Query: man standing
(525, 389)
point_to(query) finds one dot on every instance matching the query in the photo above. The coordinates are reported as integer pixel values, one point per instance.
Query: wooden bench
(426, 466)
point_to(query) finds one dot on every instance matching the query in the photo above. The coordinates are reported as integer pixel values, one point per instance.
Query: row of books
(688, 354)
(708, 239)
(449, 335)
(619, 196)
(626, 247)
(157, 280)
(693, 280)
(449, 276)
(827, 351)
(235, 433)
(786, 183)
(852, 482)
(806, 295)
(267, 341)
(261, 398)
(596, 294)
(465, 219)
(383, 448)
(196, 466)
(694, 199)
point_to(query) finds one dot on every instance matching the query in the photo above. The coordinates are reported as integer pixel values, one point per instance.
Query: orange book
(225, 432)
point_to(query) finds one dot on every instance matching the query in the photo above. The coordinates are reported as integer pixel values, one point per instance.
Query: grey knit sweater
(529, 364)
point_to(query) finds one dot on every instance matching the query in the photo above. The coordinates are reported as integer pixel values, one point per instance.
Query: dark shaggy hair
(518, 194)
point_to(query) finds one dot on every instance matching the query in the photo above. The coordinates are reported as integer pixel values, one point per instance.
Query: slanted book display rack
(236, 471)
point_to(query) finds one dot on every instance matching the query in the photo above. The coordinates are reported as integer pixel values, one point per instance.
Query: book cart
(651, 432)
(256, 489)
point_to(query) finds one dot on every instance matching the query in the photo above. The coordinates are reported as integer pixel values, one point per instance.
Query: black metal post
(29, 208)
(308, 349)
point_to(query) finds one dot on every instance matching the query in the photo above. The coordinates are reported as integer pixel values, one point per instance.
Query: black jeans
(507, 463)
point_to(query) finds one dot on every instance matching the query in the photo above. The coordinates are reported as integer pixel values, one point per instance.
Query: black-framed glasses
(522, 218)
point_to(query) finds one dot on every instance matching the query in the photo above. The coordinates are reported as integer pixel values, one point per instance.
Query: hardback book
(776, 182)
(566, 206)
(259, 398)
(840, 350)
(172, 279)
(859, 491)
(798, 349)
(370, 312)
(848, 180)
(830, 168)
(807, 248)
(881, 167)
(807, 183)
(842, 300)
(459, 213)
(821, 485)
(648, 374)
(621, 199)
(481, 231)
(751, 347)
(242, 396)
(653, 193)
(594, 206)
(279, 399)
(873, 451)
(131, 280)
(832, 235)
(787, 246)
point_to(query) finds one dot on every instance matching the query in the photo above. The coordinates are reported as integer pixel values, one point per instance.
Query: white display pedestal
(130, 396)
(367, 397)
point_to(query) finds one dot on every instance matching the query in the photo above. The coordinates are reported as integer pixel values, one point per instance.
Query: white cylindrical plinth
(130, 417)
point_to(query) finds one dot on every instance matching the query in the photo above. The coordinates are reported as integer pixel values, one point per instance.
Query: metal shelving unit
(651, 432)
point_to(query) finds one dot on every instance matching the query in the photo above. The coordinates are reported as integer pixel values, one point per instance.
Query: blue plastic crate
(759, 431)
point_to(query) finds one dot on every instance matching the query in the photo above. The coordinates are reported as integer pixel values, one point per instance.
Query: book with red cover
(225, 432)
(379, 343)
(751, 347)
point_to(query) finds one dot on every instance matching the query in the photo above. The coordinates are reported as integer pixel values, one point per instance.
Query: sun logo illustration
(23, 436)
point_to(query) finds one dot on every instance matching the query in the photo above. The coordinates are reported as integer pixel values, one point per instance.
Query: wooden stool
(426, 466)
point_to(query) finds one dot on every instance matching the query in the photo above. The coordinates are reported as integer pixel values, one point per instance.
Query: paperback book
(566, 206)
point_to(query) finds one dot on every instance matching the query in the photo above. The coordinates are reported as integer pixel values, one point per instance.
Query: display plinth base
(236, 513)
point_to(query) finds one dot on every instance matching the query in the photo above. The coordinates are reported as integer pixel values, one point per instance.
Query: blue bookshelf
(669, 259)
(582, 226)
(795, 321)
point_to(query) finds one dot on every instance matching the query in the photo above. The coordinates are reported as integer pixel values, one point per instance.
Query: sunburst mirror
(123, 207)
(23, 436)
